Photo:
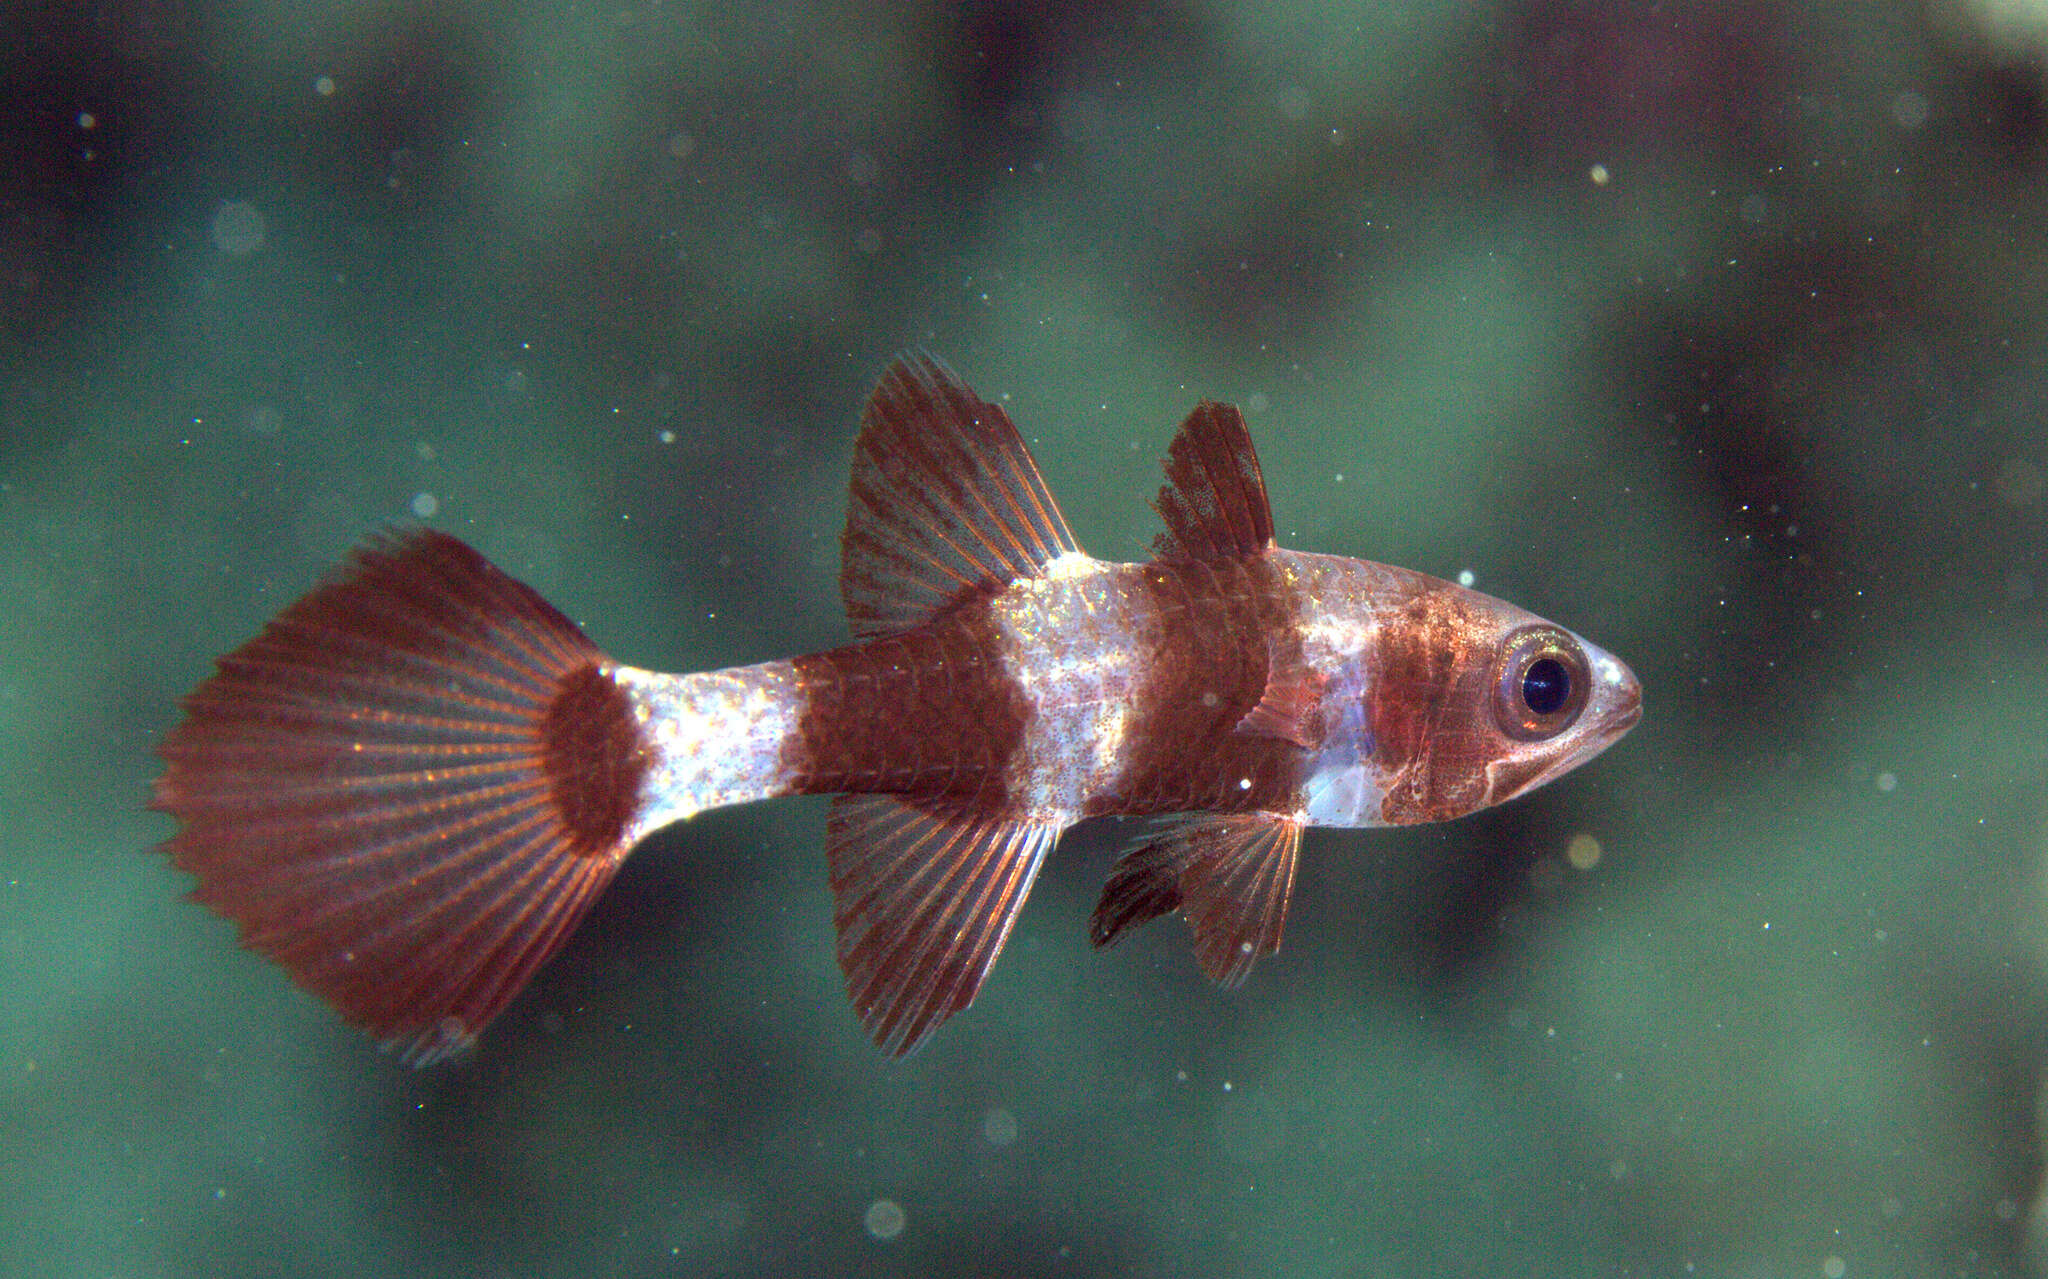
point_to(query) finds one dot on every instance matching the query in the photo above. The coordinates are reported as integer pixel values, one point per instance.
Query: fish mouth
(1621, 717)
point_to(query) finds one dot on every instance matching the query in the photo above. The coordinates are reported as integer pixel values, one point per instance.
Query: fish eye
(1546, 685)
(1541, 683)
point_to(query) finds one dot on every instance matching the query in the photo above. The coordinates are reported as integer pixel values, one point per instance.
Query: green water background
(1718, 332)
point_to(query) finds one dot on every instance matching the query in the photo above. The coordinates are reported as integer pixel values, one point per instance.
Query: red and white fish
(411, 786)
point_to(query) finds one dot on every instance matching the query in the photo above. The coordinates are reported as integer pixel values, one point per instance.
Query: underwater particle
(2020, 482)
(238, 228)
(884, 1219)
(425, 504)
(262, 419)
(1887, 783)
(999, 1127)
(1251, 1125)
(1833, 1267)
(1583, 852)
(2019, 586)
(681, 145)
(1909, 109)
(1466, 577)
(324, 86)
(1601, 177)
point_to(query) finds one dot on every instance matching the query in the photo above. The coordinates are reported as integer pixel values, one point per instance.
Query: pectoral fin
(925, 900)
(1291, 708)
(1231, 875)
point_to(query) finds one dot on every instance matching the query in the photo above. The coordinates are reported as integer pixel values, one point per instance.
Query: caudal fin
(408, 789)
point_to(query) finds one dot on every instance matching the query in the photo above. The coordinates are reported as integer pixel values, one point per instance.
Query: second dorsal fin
(945, 502)
(1214, 499)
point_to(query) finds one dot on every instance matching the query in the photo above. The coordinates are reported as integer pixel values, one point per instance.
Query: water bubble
(238, 228)
(884, 1219)
(999, 1127)
(425, 505)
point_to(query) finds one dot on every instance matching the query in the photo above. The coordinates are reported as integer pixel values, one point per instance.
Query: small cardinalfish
(411, 786)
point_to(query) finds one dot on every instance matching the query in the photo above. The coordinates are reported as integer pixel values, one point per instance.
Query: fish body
(411, 786)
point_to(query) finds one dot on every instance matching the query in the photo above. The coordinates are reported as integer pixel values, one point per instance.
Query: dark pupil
(1546, 685)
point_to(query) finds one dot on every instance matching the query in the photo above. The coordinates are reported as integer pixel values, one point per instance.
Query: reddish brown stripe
(930, 713)
(1425, 689)
(1212, 632)
(595, 760)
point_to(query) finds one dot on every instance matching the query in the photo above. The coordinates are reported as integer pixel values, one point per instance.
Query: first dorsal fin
(945, 502)
(1214, 499)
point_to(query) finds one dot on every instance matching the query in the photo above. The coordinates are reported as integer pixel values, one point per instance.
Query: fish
(410, 787)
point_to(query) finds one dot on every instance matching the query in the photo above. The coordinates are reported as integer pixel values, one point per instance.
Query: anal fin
(924, 900)
(1231, 874)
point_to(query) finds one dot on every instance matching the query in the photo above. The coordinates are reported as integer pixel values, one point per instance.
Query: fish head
(1471, 701)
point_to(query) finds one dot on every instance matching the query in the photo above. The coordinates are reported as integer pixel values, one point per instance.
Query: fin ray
(944, 501)
(925, 901)
(1230, 874)
(1214, 499)
(407, 790)
(1291, 706)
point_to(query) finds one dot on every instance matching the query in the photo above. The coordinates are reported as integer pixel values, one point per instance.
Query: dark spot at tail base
(595, 759)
